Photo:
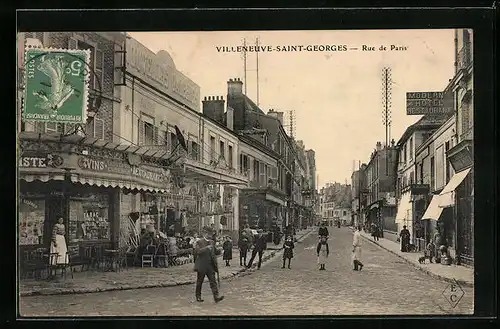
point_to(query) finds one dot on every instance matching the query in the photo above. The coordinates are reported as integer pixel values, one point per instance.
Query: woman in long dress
(58, 245)
(356, 250)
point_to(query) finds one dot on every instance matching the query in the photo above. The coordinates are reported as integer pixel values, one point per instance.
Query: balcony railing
(464, 57)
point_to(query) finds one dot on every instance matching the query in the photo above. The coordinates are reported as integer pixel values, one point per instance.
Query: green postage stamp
(56, 85)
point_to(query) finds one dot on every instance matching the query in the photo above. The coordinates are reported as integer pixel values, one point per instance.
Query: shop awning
(103, 182)
(448, 193)
(40, 174)
(434, 210)
(404, 207)
(275, 199)
(199, 171)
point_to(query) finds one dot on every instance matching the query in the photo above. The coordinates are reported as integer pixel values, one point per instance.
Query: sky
(336, 95)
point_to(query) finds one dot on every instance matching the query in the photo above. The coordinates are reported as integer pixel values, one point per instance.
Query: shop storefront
(261, 208)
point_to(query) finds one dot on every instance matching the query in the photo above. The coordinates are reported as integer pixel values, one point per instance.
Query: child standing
(430, 250)
(288, 251)
(227, 246)
(243, 247)
(323, 251)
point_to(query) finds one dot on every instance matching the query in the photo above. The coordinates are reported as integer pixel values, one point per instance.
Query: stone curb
(153, 285)
(426, 271)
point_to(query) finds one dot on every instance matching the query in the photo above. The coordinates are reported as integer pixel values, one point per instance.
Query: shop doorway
(56, 208)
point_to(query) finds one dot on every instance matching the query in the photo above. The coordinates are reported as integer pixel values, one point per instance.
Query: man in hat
(260, 244)
(206, 264)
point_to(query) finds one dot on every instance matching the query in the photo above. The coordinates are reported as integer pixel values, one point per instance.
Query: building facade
(160, 116)
(60, 165)
(409, 195)
(452, 168)
(380, 174)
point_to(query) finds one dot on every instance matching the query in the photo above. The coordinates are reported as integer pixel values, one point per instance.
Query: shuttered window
(274, 173)
(230, 156)
(262, 174)
(35, 35)
(98, 128)
(141, 132)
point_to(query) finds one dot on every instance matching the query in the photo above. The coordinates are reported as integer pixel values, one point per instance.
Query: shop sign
(419, 189)
(41, 161)
(56, 87)
(122, 168)
(461, 160)
(428, 103)
(152, 66)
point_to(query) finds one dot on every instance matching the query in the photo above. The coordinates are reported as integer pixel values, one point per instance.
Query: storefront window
(31, 221)
(89, 219)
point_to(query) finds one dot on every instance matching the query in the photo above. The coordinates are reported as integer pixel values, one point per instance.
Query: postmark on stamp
(453, 293)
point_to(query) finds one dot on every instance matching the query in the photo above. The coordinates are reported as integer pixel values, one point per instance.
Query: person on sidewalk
(323, 252)
(288, 251)
(405, 239)
(430, 250)
(323, 230)
(227, 246)
(356, 250)
(206, 264)
(243, 247)
(259, 246)
(58, 248)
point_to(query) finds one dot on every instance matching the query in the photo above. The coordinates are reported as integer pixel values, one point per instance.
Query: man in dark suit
(260, 244)
(206, 264)
(323, 230)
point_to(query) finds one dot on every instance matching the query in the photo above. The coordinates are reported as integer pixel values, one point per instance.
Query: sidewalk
(134, 278)
(463, 275)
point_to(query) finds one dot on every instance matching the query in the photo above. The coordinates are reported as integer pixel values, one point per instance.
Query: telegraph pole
(244, 53)
(386, 111)
(257, 53)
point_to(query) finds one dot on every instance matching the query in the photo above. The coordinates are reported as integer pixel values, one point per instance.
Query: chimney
(379, 146)
(276, 114)
(230, 118)
(213, 107)
(234, 87)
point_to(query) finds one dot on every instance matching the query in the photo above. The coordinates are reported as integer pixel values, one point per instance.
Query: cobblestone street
(386, 286)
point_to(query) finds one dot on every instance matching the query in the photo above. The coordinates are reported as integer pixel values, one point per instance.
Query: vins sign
(424, 103)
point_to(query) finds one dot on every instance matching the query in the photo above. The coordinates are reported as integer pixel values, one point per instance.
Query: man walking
(206, 264)
(259, 246)
(323, 231)
(356, 250)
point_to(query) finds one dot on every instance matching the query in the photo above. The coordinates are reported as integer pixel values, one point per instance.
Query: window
(194, 150)
(256, 172)
(411, 148)
(447, 165)
(95, 62)
(31, 221)
(88, 219)
(262, 173)
(148, 134)
(404, 154)
(241, 163)
(345, 213)
(245, 164)
(36, 35)
(173, 142)
(421, 173)
(222, 150)
(433, 174)
(212, 148)
(230, 156)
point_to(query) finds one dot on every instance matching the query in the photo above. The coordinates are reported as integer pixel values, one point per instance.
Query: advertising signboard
(428, 103)
(56, 85)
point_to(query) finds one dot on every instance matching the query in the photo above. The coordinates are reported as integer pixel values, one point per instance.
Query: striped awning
(102, 182)
(41, 174)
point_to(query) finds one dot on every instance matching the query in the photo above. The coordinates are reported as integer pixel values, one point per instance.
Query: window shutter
(155, 136)
(98, 128)
(274, 173)
(141, 132)
(262, 173)
(72, 43)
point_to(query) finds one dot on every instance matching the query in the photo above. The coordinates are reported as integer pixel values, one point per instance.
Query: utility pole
(386, 111)
(244, 53)
(359, 192)
(257, 53)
